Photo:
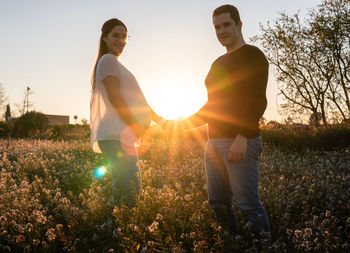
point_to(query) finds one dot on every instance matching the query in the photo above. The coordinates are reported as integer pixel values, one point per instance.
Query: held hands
(165, 124)
(171, 125)
(238, 149)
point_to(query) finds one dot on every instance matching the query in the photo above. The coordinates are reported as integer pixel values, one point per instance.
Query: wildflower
(159, 217)
(39, 217)
(187, 197)
(199, 245)
(20, 238)
(308, 231)
(36, 242)
(59, 227)
(50, 233)
(298, 233)
(150, 243)
(153, 227)
(21, 229)
(177, 186)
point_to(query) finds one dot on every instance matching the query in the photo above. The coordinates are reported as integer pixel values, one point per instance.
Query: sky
(51, 47)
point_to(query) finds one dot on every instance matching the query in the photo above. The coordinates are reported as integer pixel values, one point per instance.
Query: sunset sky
(51, 46)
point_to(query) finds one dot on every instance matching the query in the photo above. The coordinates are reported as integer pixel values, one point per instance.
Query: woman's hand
(138, 129)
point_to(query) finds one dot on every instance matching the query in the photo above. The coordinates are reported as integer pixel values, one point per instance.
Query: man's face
(226, 30)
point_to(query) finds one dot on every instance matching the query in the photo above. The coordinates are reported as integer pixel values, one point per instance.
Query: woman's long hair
(105, 30)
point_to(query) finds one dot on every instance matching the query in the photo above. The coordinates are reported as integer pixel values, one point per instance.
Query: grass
(50, 201)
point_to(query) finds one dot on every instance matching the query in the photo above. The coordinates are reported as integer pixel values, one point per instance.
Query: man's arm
(252, 108)
(112, 86)
(196, 120)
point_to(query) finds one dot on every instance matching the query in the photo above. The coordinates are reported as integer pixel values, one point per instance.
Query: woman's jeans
(124, 171)
(226, 179)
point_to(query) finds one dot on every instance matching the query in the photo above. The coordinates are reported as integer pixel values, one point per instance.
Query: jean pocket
(254, 148)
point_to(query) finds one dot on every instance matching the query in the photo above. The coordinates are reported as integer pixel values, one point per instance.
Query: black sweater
(236, 86)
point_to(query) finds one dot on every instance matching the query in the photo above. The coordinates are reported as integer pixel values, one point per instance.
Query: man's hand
(238, 149)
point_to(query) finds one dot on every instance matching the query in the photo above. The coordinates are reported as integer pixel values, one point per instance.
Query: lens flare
(100, 172)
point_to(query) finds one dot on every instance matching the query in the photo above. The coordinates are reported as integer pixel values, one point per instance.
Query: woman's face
(116, 40)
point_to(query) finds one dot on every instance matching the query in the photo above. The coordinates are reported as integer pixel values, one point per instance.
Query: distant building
(58, 119)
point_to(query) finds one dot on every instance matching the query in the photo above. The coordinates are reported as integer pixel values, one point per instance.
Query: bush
(4, 129)
(31, 124)
(298, 137)
(63, 132)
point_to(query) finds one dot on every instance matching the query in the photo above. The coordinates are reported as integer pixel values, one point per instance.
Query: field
(50, 200)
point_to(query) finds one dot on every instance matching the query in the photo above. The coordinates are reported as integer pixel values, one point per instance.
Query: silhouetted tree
(262, 121)
(25, 105)
(315, 119)
(312, 60)
(31, 124)
(84, 121)
(2, 97)
(7, 113)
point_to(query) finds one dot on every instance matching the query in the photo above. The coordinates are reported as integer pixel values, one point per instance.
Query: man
(236, 85)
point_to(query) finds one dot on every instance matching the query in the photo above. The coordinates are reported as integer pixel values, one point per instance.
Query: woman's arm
(154, 116)
(112, 86)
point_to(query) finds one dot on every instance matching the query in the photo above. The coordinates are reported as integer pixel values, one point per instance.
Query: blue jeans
(226, 179)
(124, 171)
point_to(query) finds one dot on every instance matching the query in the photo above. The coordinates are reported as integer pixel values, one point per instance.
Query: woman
(119, 113)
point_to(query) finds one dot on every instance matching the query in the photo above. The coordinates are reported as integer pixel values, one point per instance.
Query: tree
(314, 119)
(288, 121)
(25, 105)
(2, 97)
(8, 113)
(331, 27)
(84, 121)
(31, 124)
(262, 121)
(312, 60)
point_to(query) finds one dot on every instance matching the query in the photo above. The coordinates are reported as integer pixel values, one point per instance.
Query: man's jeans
(226, 179)
(124, 171)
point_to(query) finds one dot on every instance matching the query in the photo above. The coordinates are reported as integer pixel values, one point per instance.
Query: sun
(176, 98)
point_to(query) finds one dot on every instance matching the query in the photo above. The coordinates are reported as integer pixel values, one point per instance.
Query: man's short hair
(228, 8)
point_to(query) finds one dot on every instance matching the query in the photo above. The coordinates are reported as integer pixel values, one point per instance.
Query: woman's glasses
(121, 36)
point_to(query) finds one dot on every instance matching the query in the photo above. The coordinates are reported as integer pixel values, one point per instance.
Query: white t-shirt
(105, 123)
